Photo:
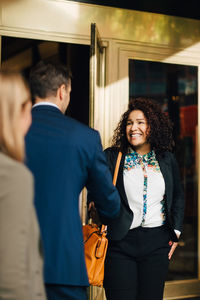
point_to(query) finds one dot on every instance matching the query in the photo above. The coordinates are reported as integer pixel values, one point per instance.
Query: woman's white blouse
(153, 214)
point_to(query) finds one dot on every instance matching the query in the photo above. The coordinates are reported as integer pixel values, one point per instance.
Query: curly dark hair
(160, 134)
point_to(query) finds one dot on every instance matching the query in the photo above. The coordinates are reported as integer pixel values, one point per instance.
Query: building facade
(123, 54)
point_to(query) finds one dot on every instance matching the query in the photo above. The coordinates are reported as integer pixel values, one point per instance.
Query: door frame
(180, 288)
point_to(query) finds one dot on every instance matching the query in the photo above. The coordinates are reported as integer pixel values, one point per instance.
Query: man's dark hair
(46, 78)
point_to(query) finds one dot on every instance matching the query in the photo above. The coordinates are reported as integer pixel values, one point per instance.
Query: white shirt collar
(45, 103)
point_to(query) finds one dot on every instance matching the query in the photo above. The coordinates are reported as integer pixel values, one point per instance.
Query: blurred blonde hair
(14, 93)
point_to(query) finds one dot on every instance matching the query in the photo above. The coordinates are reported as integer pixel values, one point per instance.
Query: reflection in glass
(175, 88)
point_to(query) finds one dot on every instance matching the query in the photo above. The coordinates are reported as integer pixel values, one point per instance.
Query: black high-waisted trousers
(136, 267)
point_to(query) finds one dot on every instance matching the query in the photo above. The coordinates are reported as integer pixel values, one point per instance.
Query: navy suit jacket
(174, 203)
(64, 156)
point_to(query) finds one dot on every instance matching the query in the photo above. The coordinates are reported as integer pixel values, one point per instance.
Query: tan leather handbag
(96, 243)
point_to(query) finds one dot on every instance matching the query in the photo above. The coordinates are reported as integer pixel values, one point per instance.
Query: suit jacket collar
(45, 103)
(46, 108)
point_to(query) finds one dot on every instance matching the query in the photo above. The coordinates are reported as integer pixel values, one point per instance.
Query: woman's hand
(172, 249)
(93, 213)
(92, 210)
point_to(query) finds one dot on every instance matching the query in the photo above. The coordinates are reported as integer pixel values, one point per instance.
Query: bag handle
(104, 227)
(117, 167)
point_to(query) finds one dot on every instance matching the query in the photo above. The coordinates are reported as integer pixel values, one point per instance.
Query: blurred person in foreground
(143, 241)
(64, 155)
(20, 258)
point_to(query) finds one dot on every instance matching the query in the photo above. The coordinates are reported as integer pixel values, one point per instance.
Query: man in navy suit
(64, 156)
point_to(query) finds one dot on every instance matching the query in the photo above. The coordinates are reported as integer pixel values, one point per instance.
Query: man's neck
(38, 103)
(49, 101)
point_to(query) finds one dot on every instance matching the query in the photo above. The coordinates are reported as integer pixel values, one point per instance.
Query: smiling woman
(155, 126)
(153, 204)
(137, 131)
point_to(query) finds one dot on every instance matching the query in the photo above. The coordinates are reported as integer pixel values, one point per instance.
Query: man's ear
(61, 91)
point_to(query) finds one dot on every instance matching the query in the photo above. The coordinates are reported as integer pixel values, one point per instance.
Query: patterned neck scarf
(134, 160)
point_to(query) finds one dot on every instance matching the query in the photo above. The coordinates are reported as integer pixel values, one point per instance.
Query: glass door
(21, 54)
(175, 87)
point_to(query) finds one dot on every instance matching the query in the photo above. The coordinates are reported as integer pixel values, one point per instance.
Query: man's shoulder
(83, 128)
(46, 117)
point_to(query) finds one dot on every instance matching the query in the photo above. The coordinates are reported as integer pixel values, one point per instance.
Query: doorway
(21, 54)
(175, 88)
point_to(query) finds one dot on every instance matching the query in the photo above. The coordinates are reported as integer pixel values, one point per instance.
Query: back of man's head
(46, 78)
